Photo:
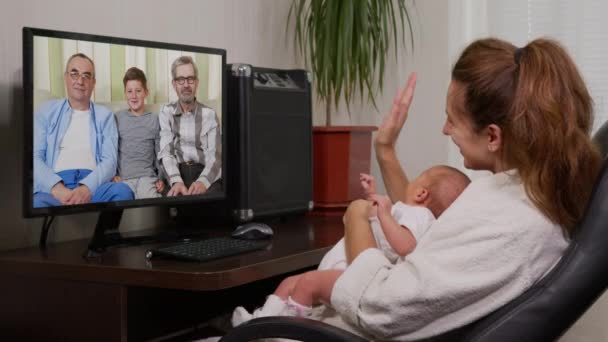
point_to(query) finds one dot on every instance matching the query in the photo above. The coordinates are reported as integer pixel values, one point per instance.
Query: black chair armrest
(297, 328)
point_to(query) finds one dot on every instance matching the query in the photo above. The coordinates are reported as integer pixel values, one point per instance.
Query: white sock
(273, 306)
(296, 309)
(240, 315)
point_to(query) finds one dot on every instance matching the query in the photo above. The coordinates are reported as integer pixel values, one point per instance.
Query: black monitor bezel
(28, 135)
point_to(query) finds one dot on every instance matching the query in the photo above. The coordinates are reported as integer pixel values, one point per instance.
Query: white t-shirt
(75, 148)
(417, 219)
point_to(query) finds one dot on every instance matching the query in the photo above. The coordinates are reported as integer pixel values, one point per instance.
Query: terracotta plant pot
(340, 154)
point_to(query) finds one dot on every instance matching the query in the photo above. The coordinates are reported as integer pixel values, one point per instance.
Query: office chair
(601, 138)
(543, 313)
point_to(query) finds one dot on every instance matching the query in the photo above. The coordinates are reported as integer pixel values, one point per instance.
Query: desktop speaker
(270, 141)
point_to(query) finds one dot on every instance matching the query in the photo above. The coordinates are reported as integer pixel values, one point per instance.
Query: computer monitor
(96, 138)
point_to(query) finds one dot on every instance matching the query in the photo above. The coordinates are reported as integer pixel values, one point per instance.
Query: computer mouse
(253, 231)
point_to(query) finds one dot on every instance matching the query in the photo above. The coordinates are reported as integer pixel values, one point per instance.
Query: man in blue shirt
(75, 145)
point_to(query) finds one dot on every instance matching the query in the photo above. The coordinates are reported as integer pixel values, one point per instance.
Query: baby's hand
(383, 203)
(368, 183)
(116, 179)
(373, 212)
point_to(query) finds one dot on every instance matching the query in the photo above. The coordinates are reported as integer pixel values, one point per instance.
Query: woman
(524, 115)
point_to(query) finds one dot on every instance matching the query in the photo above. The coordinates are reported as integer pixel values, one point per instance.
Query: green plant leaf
(346, 42)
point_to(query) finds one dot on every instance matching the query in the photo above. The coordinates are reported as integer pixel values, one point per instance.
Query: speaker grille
(275, 126)
(280, 149)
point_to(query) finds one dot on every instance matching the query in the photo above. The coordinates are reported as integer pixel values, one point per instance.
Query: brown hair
(135, 74)
(537, 97)
(445, 185)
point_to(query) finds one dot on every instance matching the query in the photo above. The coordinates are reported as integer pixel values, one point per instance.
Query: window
(580, 25)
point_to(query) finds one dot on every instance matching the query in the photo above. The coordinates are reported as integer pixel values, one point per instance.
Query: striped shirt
(190, 137)
(138, 138)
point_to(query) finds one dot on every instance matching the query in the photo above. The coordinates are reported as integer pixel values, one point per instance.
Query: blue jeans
(106, 192)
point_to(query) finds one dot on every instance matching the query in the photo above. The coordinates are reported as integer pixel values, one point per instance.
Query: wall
(252, 32)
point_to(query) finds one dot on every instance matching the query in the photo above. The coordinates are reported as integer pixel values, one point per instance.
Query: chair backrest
(601, 139)
(548, 309)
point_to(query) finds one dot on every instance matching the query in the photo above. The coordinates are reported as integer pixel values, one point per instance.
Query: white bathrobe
(487, 248)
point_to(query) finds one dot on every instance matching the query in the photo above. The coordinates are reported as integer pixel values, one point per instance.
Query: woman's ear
(494, 137)
(421, 195)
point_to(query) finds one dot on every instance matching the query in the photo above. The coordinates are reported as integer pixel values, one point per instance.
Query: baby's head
(436, 188)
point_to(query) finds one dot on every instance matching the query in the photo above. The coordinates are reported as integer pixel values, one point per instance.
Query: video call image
(117, 122)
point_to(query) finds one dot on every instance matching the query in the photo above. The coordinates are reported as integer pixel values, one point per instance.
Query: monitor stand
(107, 235)
(107, 221)
(46, 225)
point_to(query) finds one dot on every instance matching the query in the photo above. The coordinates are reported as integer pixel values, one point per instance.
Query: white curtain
(580, 25)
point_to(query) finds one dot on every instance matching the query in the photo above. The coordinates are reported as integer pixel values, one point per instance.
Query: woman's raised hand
(393, 121)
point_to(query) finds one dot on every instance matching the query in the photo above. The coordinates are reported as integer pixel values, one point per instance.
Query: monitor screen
(118, 123)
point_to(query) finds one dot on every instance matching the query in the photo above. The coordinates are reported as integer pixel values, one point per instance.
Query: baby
(396, 227)
(402, 224)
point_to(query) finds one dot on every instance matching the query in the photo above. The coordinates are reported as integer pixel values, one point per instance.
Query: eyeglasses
(75, 75)
(181, 80)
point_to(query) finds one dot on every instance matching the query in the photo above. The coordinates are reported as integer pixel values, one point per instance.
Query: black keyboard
(208, 249)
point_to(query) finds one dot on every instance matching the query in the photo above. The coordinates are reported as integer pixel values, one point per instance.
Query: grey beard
(187, 99)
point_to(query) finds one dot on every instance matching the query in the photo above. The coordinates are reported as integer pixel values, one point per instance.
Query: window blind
(580, 25)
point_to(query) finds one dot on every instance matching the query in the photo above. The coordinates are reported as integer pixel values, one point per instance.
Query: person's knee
(38, 201)
(43, 199)
(113, 192)
(357, 209)
(122, 191)
(358, 202)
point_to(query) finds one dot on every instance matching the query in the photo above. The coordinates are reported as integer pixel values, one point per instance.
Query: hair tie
(518, 53)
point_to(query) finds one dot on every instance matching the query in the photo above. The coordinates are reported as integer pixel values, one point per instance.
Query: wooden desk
(56, 294)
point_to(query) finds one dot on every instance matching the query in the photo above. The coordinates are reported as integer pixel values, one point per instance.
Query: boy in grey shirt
(138, 137)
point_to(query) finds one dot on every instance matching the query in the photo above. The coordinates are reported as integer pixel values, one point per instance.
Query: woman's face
(473, 145)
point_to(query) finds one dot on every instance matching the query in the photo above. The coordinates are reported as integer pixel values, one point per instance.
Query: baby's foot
(240, 315)
(274, 306)
(296, 309)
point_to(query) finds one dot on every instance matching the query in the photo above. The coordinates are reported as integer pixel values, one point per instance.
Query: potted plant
(345, 44)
